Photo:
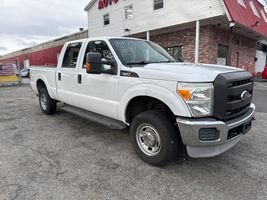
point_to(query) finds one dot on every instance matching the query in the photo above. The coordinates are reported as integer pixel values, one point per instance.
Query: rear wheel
(154, 138)
(48, 105)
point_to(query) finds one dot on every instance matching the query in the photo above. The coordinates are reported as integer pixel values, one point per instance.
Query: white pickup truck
(124, 82)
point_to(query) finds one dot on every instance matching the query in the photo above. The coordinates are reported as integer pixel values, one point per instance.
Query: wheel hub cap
(43, 101)
(148, 139)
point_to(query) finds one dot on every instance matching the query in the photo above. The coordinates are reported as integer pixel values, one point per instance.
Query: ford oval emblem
(245, 95)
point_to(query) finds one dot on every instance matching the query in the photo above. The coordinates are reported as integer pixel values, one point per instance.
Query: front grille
(232, 94)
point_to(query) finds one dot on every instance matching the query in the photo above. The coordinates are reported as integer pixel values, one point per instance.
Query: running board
(100, 119)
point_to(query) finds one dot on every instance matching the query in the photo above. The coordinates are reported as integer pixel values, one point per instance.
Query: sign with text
(104, 3)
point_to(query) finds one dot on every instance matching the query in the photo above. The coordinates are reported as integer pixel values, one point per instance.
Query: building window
(242, 3)
(264, 15)
(176, 52)
(106, 19)
(222, 56)
(158, 4)
(253, 8)
(129, 12)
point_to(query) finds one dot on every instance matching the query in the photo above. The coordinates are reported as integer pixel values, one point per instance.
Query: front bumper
(196, 148)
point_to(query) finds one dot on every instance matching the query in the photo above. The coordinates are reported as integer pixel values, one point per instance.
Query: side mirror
(93, 63)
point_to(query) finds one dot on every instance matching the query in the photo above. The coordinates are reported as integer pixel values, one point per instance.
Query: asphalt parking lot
(65, 157)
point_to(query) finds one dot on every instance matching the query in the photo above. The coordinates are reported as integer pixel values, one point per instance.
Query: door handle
(79, 78)
(59, 76)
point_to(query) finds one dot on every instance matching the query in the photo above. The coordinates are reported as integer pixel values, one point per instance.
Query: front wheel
(48, 105)
(154, 138)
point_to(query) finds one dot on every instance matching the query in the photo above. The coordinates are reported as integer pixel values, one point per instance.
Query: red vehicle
(264, 73)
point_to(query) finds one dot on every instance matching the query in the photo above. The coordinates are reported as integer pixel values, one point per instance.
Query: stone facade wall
(210, 38)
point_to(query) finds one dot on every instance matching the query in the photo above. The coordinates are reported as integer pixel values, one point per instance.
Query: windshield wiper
(139, 63)
(168, 61)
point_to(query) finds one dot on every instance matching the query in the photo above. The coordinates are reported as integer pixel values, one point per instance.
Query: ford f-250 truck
(124, 82)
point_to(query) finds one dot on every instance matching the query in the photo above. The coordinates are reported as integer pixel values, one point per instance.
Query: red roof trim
(246, 16)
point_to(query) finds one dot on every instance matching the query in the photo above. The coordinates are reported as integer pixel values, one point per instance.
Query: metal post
(148, 36)
(18, 68)
(197, 42)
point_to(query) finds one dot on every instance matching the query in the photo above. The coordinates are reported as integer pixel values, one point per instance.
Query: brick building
(229, 29)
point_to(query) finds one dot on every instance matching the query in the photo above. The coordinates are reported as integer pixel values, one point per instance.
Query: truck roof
(101, 38)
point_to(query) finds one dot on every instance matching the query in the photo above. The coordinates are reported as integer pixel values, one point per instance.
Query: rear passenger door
(67, 75)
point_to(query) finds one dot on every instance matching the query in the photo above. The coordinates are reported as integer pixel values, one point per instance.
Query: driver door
(99, 92)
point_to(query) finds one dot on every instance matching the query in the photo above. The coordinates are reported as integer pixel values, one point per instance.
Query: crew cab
(126, 82)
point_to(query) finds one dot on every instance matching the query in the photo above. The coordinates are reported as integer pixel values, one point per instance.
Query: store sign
(104, 3)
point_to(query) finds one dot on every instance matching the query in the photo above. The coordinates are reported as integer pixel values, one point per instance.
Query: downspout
(148, 35)
(197, 42)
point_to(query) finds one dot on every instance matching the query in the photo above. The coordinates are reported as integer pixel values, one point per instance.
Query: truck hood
(186, 72)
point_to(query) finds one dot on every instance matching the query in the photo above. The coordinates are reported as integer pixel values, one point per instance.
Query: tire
(48, 105)
(154, 138)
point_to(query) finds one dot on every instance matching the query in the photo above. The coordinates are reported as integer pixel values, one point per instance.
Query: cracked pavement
(66, 157)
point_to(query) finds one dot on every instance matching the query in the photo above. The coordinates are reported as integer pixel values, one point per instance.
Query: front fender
(171, 99)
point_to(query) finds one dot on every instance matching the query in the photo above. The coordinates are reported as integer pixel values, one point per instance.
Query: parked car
(124, 82)
(264, 73)
(25, 72)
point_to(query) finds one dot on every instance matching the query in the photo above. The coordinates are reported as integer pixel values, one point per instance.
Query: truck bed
(48, 75)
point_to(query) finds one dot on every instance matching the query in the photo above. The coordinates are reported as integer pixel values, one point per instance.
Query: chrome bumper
(189, 130)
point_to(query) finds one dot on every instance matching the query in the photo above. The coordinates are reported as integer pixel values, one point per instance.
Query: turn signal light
(88, 67)
(185, 94)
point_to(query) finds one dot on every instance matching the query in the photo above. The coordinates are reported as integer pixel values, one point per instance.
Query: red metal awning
(244, 15)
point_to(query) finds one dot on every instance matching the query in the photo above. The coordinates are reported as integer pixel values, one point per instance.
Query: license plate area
(241, 129)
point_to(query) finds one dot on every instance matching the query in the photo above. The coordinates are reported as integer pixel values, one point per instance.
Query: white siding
(145, 18)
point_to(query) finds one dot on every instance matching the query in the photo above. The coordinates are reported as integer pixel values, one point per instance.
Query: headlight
(198, 96)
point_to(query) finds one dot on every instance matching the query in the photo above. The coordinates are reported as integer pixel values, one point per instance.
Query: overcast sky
(24, 23)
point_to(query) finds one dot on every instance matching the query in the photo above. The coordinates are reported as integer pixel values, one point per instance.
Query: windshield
(139, 52)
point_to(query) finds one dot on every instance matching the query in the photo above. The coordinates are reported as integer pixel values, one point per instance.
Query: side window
(71, 55)
(106, 55)
(99, 47)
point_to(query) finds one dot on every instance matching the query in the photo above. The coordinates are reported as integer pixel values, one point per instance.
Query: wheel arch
(170, 100)
(42, 82)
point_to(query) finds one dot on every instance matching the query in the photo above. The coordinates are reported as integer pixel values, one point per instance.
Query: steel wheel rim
(43, 101)
(148, 139)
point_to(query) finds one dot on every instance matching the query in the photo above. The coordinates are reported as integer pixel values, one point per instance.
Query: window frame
(108, 19)
(227, 56)
(154, 3)
(125, 15)
(65, 53)
(172, 48)
(110, 49)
